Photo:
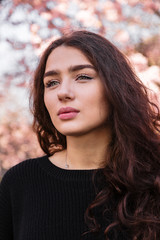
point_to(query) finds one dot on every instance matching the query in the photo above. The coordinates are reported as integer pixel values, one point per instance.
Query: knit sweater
(40, 201)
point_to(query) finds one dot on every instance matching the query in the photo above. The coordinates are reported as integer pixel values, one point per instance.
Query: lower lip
(68, 115)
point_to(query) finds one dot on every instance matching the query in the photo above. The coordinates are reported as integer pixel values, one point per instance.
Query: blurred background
(27, 27)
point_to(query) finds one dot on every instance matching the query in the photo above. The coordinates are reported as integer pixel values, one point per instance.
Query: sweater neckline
(53, 170)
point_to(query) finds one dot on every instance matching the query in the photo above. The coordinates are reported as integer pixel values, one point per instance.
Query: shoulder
(21, 170)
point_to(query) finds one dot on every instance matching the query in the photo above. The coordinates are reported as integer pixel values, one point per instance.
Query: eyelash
(83, 77)
(52, 83)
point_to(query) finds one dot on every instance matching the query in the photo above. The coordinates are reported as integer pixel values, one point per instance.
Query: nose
(66, 91)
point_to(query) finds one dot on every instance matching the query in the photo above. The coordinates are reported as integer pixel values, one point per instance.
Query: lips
(67, 113)
(67, 110)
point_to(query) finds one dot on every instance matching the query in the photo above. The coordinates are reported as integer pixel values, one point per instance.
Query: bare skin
(85, 152)
(87, 133)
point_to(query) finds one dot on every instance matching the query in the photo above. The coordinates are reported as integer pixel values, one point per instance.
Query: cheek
(46, 101)
(96, 107)
(102, 106)
(96, 97)
(49, 102)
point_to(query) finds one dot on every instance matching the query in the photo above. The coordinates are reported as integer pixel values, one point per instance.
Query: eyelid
(84, 75)
(49, 83)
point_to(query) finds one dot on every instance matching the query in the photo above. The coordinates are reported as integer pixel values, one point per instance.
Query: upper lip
(67, 110)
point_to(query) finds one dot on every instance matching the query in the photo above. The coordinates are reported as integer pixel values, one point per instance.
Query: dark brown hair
(131, 175)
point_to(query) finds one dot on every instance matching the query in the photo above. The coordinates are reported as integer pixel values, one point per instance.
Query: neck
(87, 151)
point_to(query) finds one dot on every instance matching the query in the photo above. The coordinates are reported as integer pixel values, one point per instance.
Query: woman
(100, 178)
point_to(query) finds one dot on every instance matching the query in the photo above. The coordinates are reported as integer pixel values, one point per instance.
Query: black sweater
(40, 201)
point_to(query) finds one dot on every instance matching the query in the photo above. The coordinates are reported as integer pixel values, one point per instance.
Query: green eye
(83, 77)
(51, 83)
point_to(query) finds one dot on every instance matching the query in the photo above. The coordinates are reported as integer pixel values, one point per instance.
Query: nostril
(65, 96)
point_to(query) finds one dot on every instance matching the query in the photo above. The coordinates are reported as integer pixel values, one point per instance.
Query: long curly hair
(131, 173)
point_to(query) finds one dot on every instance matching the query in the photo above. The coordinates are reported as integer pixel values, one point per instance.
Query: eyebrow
(71, 69)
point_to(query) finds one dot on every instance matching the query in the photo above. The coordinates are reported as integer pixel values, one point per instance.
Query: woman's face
(73, 93)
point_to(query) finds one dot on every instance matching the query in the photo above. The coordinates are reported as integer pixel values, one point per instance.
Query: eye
(51, 83)
(83, 77)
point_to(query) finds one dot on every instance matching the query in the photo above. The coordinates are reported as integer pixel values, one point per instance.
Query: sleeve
(6, 229)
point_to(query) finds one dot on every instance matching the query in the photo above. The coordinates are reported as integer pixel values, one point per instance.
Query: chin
(71, 133)
(76, 132)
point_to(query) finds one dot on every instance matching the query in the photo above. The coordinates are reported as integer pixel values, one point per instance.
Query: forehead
(64, 56)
